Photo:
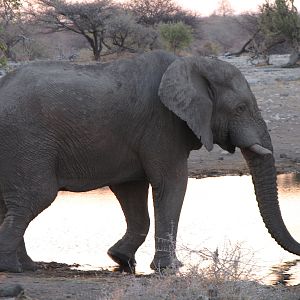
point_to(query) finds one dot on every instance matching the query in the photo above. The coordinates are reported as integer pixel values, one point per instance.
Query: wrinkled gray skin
(127, 124)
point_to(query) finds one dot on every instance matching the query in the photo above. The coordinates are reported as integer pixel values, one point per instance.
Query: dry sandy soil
(278, 94)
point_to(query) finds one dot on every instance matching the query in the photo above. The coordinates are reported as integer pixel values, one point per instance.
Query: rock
(253, 81)
(270, 70)
(283, 155)
(276, 117)
(284, 95)
(228, 55)
(14, 290)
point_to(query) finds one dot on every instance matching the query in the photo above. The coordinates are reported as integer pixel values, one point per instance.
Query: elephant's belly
(83, 177)
(83, 185)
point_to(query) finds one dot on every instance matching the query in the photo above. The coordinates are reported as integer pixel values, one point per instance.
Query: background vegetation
(104, 29)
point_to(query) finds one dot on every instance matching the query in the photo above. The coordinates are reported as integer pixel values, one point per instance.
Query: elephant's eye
(240, 109)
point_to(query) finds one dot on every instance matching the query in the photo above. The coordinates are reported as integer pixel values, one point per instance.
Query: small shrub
(210, 48)
(177, 36)
(3, 60)
(30, 49)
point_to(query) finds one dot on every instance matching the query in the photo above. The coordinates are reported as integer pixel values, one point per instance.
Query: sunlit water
(80, 227)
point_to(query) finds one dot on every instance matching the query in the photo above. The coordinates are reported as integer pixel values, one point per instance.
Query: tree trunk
(262, 169)
(96, 53)
(294, 60)
(242, 50)
(244, 47)
(10, 54)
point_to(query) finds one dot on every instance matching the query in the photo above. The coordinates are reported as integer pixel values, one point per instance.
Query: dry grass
(227, 274)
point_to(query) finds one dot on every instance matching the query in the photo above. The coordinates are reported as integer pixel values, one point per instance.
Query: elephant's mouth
(228, 147)
(227, 144)
(224, 141)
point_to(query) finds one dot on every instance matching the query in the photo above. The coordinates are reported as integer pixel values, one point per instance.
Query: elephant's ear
(185, 90)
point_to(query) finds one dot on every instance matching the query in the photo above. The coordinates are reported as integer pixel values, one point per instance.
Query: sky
(206, 7)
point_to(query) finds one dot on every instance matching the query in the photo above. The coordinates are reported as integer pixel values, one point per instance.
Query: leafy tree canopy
(176, 35)
(106, 26)
(153, 12)
(280, 19)
(9, 33)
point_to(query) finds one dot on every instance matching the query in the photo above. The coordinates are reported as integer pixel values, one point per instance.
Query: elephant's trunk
(262, 169)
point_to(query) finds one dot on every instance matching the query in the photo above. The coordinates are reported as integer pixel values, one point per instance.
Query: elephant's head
(215, 101)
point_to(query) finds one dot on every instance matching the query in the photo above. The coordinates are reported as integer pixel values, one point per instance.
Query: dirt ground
(278, 94)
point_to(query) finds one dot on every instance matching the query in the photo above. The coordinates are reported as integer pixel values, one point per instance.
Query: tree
(224, 8)
(106, 26)
(279, 20)
(87, 19)
(153, 12)
(176, 35)
(11, 29)
(255, 44)
(124, 34)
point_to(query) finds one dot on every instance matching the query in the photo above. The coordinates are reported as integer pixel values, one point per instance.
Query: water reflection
(80, 227)
(285, 273)
(288, 183)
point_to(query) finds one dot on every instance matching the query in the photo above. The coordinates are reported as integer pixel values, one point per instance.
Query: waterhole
(218, 213)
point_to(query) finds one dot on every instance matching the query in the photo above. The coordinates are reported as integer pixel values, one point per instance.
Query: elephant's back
(52, 84)
(50, 92)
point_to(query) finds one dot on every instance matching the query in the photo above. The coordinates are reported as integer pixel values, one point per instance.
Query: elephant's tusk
(260, 150)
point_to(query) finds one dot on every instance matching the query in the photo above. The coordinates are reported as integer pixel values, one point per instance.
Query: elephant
(127, 124)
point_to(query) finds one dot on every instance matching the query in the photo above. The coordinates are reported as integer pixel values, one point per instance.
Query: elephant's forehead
(238, 92)
(241, 87)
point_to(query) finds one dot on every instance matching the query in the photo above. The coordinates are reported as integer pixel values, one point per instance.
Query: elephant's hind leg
(22, 204)
(133, 198)
(8, 258)
(26, 262)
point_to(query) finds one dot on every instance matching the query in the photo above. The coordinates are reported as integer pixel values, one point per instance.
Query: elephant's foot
(126, 262)
(9, 262)
(29, 266)
(164, 261)
(27, 263)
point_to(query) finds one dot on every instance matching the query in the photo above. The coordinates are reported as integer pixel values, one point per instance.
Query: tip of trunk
(264, 177)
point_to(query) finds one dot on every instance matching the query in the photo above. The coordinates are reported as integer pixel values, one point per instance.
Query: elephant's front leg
(133, 198)
(168, 197)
